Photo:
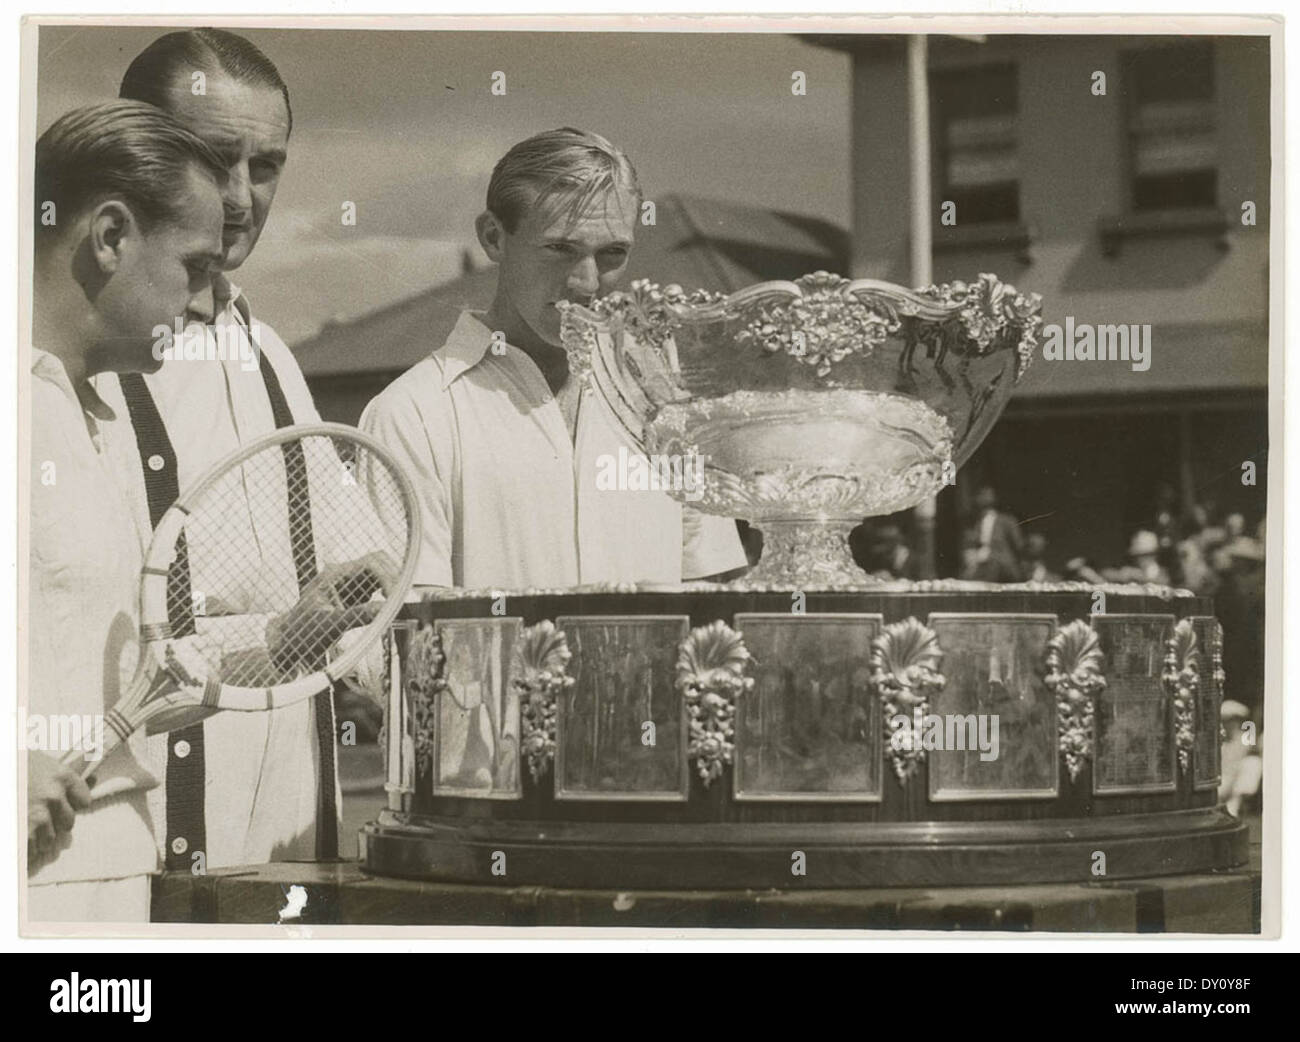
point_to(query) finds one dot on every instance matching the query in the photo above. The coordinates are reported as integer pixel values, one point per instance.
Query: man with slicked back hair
(126, 236)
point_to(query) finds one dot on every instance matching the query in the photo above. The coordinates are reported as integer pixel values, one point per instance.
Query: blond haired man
(504, 447)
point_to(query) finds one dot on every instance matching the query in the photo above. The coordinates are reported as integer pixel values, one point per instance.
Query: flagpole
(918, 105)
(922, 240)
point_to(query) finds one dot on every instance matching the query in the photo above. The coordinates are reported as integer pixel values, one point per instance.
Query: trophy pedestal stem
(804, 554)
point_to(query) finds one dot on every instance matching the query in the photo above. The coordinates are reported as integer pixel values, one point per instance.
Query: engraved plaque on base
(809, 729)
(1134, 715)
(1206, 766)
(624, 673)
(477, 738)
(999, 718)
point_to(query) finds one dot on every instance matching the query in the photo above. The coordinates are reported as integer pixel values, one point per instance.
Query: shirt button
(180, 844)
(181, 749)
(156, 462)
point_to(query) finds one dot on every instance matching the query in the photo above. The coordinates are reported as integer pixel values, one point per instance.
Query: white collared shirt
(509, 498)
(85, 555)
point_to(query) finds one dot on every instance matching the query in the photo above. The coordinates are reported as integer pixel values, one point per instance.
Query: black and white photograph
(783, 476)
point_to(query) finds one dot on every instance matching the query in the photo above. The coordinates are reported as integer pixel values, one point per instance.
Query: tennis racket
(255, 574)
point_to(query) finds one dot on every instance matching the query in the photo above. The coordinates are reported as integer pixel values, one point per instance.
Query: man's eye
(262, 169)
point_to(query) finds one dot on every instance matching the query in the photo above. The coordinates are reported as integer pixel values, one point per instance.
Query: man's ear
(110, 223)
(491, 234)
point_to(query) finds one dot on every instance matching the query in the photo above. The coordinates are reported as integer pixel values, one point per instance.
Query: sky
(404, 125)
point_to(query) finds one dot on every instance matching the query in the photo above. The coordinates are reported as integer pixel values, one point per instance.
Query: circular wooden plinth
(834, 854)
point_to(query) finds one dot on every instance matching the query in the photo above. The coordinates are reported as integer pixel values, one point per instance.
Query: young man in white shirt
(238, 788)
(503, 445)
(127, 234)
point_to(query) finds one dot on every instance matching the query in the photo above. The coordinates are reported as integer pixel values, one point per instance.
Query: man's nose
(584, 279)
(202, 305)
(238, 194)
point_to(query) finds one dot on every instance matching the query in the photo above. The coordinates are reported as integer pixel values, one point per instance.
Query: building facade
(1126, 180)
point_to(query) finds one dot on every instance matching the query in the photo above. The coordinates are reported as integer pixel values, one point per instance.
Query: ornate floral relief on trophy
(1182, 680)
(905, 663)
(710, 678)
(1074, 676)
(822, 326)
(538, 675)
(425, 681)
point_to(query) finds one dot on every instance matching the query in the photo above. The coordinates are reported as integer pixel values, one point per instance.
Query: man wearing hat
(1144, 565)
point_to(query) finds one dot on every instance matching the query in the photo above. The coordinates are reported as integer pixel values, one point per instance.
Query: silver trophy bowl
(811, 404)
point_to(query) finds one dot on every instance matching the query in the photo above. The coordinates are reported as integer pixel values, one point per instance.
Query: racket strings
(296, 546)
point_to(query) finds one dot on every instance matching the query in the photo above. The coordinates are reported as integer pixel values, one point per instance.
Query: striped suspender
(304, 561)
(186, 825)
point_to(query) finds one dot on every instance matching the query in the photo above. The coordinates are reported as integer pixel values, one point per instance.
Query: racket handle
(118, 722)
(76, 760)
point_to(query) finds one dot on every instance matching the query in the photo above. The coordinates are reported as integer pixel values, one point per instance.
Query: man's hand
(337, 600)
(54, 795)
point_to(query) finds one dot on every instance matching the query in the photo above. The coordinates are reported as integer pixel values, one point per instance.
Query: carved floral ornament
(711, 663)
(710, 678)
(650, 311)
(538, 675)
(991, 310)
(823, 325)
(905, 662)
(822, 319)
(1182, 681)
(425, 679)
(1074, 664)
